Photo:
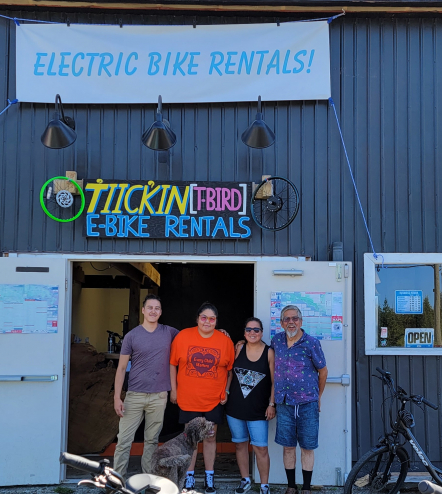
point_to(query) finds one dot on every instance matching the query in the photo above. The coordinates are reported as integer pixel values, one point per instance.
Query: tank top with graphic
(250, 388)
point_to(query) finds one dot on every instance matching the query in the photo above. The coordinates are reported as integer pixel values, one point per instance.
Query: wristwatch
(271, 404)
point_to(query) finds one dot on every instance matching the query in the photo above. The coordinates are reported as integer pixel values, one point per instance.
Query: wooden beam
(223, 8)
(134, 304)
(147, 269)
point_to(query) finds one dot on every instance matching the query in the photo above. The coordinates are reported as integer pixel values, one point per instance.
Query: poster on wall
(167, 209)
(28, 308)
(206, 64)
(321, 313)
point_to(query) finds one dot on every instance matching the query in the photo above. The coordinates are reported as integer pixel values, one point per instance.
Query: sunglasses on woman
(211, 319)
(249, 330)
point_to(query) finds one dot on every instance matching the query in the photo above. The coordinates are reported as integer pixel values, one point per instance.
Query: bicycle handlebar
(424, 401)
(81, 463)
(427, 487)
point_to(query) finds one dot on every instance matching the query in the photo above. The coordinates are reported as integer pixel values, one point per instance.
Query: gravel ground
(222, 488)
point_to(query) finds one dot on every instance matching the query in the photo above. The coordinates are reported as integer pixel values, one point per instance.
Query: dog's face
(200, 428)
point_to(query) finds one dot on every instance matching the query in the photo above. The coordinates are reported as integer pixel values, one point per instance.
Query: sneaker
(265, 489)
(244, 486)
(189, 484)
(209, 486)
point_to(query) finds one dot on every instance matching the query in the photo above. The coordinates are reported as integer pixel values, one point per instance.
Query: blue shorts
(298, 423)
(241, 429)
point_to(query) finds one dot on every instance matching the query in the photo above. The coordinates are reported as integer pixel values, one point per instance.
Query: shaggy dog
(172, 459)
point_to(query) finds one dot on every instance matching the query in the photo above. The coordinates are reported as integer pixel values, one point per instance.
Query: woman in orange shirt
(204, 358)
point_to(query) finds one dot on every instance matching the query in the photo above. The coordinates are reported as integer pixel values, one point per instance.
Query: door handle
(344, 380)
(28, 378)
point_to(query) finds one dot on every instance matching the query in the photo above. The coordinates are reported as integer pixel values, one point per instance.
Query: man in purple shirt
(300, 376)
(149, 381)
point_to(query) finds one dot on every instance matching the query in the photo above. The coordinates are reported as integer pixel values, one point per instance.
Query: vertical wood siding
(386, 76)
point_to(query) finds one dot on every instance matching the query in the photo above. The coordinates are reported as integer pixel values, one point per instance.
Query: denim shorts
(241, 429)
(297, 423)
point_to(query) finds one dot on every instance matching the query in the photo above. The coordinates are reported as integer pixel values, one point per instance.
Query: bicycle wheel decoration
(275, 203)
(59, 201)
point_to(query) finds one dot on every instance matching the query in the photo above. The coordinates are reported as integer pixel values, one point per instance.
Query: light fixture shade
(57, 134)
(159, 136)
(258, 134)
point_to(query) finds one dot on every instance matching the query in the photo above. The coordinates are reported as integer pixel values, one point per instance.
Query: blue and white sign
(135, 64)
(408, 302)
(419, 337)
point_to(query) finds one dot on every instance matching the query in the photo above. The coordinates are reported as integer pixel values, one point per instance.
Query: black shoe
(209, 486)
(244, 486)
(189, 484)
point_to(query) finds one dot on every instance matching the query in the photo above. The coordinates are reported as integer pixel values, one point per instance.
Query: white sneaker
(265, 489)
(244, 486)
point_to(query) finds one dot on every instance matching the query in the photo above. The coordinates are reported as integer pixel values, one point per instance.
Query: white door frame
(160, 258)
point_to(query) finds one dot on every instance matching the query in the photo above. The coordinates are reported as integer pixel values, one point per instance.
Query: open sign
(419, 337)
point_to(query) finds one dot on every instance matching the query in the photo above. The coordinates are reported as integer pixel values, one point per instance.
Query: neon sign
(140, 209)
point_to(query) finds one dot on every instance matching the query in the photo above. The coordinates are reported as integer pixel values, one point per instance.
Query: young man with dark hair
(148, 345)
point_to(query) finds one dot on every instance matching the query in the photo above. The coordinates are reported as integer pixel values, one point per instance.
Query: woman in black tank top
(251, 403)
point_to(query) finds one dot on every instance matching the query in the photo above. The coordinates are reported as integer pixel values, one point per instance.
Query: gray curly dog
(172, 459)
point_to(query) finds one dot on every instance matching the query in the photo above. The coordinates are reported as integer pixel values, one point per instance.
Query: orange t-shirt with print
(203, 365)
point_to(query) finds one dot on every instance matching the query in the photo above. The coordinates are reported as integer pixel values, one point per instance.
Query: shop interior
(106, 303)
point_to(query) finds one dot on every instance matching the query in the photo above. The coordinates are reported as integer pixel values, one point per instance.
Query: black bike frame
(435, 472)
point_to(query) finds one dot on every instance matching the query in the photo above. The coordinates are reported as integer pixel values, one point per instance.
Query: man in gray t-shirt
(149, 381)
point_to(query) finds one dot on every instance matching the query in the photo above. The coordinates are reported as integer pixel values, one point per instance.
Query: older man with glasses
(300, 376)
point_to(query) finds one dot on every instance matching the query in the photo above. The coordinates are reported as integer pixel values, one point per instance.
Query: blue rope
(354, 182)
(10, 103)
(331, 19)
(17, 19)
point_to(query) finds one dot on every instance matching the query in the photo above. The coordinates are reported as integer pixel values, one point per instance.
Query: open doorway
(107, 300)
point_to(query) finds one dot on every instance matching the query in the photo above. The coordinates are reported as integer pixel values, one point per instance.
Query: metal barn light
(60, 132)
(159, 136)
(258, 134)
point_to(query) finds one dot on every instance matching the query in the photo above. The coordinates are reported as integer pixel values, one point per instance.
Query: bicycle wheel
(275, 203)
(58, 201)
(378, 471)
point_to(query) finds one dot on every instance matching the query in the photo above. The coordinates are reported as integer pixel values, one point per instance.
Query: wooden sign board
(167, 209)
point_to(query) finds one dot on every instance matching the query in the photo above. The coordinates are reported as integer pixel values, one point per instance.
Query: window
(403, 304)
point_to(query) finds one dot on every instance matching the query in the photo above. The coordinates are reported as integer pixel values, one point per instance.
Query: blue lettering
(134, 54)
(220, 225)
(248, 63)
(301, 63)
(104, 65)
(274, 63)
(120, 59)
(90, 225)
(166, 63)
(121, 225)
(74, 61)
(171, 223)
(62, 64)
(51, 64)
(191, 64)
(245, 227)
(286, 61)
(183, 226)
(154, 62)
(142, 226)
(261, 60)
(129, 229)
(229, 63)
(111, 229)
(91, 62)
(216, 65)
(208, 219)
(231, 230)
(37, 64)
(178, 63)
(196, 227)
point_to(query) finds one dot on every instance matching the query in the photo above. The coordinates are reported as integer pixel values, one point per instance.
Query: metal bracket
(288, 272)
(28, 378)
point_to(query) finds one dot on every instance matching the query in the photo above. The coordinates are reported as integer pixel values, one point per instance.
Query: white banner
(135, 64)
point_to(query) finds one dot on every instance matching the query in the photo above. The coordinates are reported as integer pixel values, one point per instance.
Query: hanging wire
(10, 103)
(376, 256)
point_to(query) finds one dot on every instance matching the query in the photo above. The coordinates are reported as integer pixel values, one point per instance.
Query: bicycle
(112, 482)
(373, 471)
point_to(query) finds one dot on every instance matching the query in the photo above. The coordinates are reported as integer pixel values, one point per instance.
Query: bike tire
(362, 478)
